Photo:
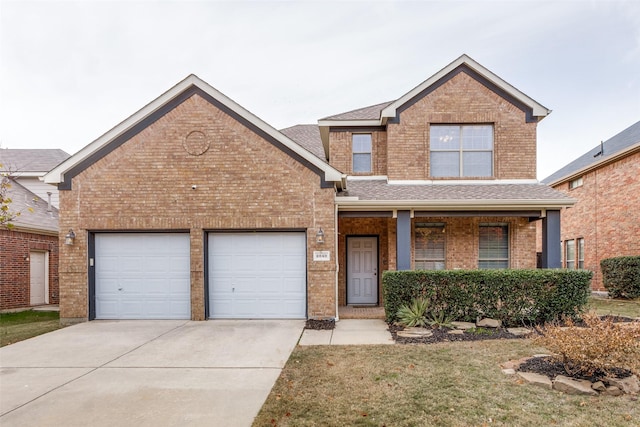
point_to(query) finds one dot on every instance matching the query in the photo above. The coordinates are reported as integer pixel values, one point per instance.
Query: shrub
(621, 276)
(414, 313)
(602, 345)
(514, 296)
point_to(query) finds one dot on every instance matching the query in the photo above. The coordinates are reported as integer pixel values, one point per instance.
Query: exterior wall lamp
(70, 237)
(320, 236)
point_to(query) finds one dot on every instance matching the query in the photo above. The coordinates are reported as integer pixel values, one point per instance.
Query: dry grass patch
(446, 384)
(22, 325)
(616, 307)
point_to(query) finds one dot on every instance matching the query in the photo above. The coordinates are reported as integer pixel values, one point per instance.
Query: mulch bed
(443, 335)
(320, 324)
(547, 366)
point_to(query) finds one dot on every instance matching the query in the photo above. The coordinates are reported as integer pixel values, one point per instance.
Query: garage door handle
(233, 289)
(119, 289)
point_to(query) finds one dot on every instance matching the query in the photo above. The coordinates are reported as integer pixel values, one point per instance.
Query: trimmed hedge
(621, 276)
(517, 297)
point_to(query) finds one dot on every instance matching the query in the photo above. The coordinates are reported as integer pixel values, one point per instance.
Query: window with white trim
(580, 253)
(361, 149)
(570, 254)
(494, 246)
(429, 252)
(575, 183)
(461, 150)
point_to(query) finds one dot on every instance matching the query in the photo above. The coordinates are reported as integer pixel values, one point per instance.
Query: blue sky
(71, 70)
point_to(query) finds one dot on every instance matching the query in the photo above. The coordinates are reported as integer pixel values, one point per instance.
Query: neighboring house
(195, 208)
(29, 252)
(28, 166)
(604, 221)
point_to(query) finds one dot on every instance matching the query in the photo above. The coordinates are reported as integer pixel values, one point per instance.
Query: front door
(362, 270)
(37, 278)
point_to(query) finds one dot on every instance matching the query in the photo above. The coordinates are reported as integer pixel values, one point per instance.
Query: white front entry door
(362, 270)
(38, 278)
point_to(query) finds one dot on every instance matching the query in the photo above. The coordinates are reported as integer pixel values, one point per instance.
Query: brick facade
(16, 247)
(243, 183)
(607, 213)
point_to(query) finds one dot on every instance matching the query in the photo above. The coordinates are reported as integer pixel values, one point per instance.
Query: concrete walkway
(350, 332)
(145, 373)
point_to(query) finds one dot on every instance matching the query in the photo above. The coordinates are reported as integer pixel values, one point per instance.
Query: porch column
(551, 257)
(403, 240)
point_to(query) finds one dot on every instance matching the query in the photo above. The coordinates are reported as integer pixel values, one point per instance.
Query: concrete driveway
(145, 373)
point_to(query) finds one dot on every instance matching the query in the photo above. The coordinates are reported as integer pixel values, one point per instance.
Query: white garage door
(257, 275)
(142, 276)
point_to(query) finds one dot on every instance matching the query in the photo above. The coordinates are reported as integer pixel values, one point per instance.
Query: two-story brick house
(604, 221)
(195, 208)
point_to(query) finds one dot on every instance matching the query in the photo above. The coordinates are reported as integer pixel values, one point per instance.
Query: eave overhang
(355, 204)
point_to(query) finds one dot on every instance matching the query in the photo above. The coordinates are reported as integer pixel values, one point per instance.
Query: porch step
(361, 312)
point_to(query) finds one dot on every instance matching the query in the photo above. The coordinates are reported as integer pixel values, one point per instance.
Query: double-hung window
(494, 246)
(361, 149)
(461, 150)
(429, 246)
(581, 253)
(570, 253)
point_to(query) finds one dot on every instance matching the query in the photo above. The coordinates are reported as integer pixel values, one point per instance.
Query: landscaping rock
(414, 332)
(519, 332)
(488, 323)
(571, 386)
(463, 325)
(629, 385)
(536, 379)
(456, 332)
(612, 391)
(509, 371)
(598, 386)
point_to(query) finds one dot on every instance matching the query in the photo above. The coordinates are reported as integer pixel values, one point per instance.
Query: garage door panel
(142, 276)
(257, 275)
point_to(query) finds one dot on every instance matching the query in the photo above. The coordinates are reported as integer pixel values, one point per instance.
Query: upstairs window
(429, 247)
(461, 150)
(361, 149)
(494, 246)
(575, 183)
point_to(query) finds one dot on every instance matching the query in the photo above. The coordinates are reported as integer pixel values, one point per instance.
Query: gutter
(353, 203)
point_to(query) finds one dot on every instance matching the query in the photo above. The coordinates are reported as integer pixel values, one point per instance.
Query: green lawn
(22, 325)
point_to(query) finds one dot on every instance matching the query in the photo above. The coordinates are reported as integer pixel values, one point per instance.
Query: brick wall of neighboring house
(15, 267)
(461, 242)
(460, 100)
(243, 183)
(340, 152)
(606, 215)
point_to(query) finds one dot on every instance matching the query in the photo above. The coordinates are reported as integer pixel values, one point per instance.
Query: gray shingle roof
(612, 146)
(31, 160)
(380, 190)
(22, 201)
(308, 136)
(371, 112)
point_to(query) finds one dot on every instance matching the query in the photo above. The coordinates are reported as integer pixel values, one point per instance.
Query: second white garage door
(257, 275)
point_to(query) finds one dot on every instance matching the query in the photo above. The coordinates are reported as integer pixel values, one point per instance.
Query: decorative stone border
(609, 386)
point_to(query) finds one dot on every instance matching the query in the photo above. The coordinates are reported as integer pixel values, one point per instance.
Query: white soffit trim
(464, 182)
(538, 109)
(347, 123)
(56, 175)
(345, 203)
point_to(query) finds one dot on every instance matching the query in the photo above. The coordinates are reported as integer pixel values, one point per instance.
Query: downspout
(335, 216)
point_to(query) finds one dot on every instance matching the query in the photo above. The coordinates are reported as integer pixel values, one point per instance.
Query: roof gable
(620, 144)
(63, 173)
(35, 214)
(464, 63)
